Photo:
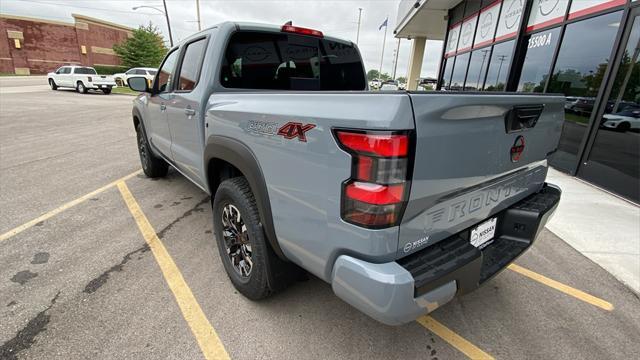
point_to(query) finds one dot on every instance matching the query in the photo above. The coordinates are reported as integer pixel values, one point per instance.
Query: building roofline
(101, 22)
(28, 18)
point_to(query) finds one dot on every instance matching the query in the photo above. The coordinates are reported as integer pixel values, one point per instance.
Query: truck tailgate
(476, 154)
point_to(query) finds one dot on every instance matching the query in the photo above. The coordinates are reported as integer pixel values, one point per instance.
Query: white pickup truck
(81, 78)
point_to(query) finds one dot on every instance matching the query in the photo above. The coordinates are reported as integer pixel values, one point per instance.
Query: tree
(402, 80)
(385, 76)
(144, 49)
(372, 74)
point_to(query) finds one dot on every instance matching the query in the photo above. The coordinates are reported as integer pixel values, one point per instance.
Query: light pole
(359, 17)
(166, 15)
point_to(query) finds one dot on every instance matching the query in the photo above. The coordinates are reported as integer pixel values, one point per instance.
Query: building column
(415, 62)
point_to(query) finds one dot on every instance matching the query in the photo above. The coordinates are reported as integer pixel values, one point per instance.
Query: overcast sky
(336, 18)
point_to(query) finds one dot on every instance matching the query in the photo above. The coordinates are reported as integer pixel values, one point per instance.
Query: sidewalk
(603, 227)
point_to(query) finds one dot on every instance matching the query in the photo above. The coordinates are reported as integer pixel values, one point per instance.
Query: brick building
(38, 46)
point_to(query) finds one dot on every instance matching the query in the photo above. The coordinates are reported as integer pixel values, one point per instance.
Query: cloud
(335, 18)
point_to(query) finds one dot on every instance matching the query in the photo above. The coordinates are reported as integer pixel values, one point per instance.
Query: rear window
(85, 71)
(257, 60)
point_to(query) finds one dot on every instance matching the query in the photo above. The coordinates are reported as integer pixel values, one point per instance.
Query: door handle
(189, 111)
(163, 107)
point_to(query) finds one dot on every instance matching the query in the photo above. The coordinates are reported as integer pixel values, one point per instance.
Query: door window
(191, 63)
(166, 73)
(140, 72)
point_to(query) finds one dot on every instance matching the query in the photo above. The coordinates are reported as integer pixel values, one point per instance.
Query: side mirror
(139, 83)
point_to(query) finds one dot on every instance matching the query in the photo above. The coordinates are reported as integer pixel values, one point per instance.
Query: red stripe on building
(545, 24)
(507, 36)
(490, 5)
(597, 8)
(478, 45)
(471, 16)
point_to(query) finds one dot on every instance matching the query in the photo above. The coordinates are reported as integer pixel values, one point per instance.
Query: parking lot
(97, 261)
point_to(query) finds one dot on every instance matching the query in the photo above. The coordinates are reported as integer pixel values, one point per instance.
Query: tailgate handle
(522, 117)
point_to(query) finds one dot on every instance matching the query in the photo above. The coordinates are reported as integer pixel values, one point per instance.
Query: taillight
(376, 194)
(300, 30)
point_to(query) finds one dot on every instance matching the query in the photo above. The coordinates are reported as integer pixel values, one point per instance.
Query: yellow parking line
(204, 333)
(62, 208)
(457, 341)
(580, 295)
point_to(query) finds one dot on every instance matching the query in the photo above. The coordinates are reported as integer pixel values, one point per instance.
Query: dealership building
(587, 50)
(38, 46)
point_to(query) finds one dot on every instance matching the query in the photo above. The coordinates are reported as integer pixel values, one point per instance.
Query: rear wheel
(81, 88)
(252, 266)
(53, 84)
(106, 91)
(623, 127)
(152, 166)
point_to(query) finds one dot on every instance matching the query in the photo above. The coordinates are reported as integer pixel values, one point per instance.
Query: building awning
(423, 18)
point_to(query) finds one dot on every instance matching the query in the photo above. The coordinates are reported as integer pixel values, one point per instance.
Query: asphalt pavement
(80, 278)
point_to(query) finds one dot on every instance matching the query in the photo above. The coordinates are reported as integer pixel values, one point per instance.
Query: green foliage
(385, 76)
(372, 74)
(402, 80)
(109, 70)
(144, 49)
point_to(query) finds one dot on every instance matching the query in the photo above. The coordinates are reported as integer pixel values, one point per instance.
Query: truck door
(156, 121)
(184, 112)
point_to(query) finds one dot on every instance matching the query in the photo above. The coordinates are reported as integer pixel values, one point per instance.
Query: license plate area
(483, 234)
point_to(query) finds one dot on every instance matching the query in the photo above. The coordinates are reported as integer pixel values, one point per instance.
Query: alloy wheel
(236, 240)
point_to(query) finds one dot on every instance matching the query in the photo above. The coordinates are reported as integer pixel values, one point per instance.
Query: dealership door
(612, 156)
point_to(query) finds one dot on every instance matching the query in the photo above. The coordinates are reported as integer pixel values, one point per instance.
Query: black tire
(53, 84)
(81, 88)
(106, 91)
(268, 273)
(623, 127)
(152, 166)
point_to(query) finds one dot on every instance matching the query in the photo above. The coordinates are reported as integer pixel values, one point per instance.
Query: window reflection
(578, 74)
(614, 160)
(477, 69)
(446, 75)
(535, 70)
(459, 71)
(499, 66)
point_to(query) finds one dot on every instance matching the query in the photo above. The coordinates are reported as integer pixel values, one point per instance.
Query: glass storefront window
(459, 71)
(535, 69)
(614, 160)
(499, 66)
(477, 69)
(446, 74)
(578, 73)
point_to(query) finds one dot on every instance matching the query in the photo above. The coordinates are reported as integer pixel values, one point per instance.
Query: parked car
(375, 84)
(148, 73)
(389, 86)
(622, 121)
(400, 201)
(81, 78)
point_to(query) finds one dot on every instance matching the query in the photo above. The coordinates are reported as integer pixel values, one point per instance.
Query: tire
(106, 91)
(152, 166)
(623, 127)
(81, 88)
(53, 84)
(267, 273)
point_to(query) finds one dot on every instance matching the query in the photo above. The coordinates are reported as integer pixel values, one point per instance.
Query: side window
(190, 70)
(139, 72)
(130, 72)
(166, 72)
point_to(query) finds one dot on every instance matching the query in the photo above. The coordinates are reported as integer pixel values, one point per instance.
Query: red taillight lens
(301, 31)
(376, 193)
(380, 145)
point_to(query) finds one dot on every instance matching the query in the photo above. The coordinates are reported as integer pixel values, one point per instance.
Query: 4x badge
(293, 130)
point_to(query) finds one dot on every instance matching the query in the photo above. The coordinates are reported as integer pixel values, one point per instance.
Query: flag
(383, 24)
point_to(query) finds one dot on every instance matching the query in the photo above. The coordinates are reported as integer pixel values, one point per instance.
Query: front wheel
(623, 127)
(152, 166)
(53, 84)
(252, 266)
(81, 88)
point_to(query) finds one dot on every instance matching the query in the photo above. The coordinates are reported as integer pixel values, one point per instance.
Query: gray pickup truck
(399, 200)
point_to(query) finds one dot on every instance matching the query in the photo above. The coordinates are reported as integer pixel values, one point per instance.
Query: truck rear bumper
(399, 292)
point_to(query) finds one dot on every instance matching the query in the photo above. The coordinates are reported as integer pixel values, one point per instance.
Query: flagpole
(383, 41)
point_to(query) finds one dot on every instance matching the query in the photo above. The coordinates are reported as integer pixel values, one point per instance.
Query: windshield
(258, 60)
